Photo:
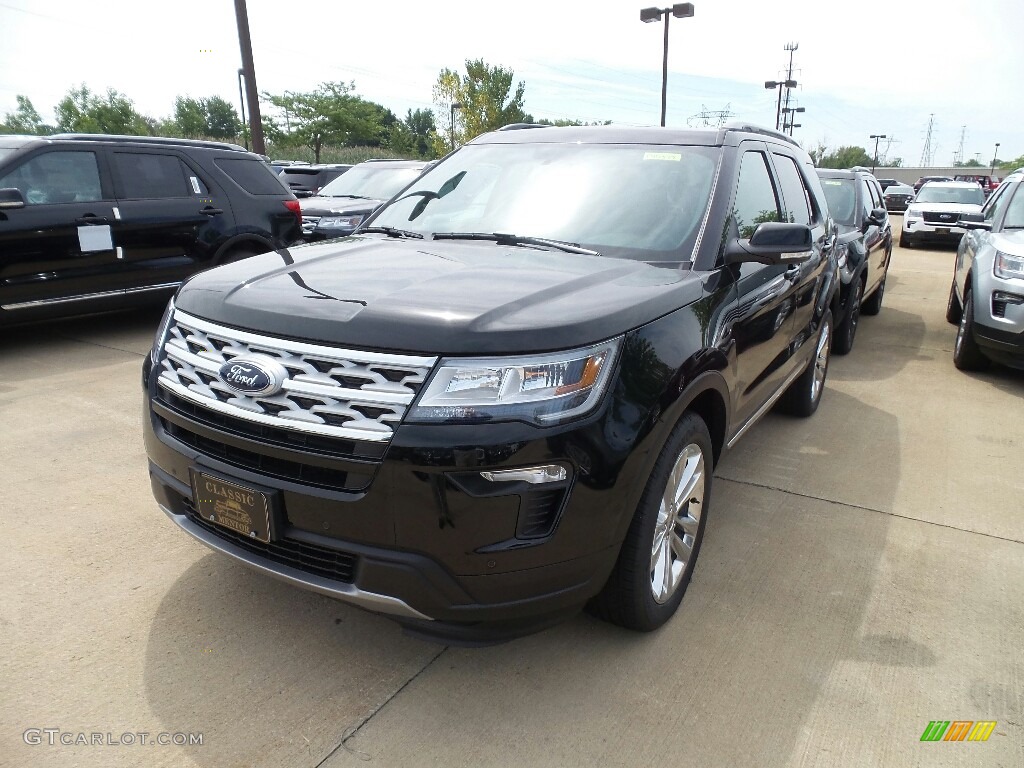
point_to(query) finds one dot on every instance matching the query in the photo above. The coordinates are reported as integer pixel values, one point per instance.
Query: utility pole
(249, 72)
(927, 150)
(791, 47)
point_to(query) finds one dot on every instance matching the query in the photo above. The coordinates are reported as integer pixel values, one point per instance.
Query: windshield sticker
(831, 183)
(673, 156)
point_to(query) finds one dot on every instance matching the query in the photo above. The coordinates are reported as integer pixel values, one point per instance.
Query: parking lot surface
(861, 576)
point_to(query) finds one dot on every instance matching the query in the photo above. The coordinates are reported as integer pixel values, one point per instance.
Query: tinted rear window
(254, 176)
(146, 176)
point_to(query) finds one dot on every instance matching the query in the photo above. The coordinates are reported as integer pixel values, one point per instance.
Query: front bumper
(427, 541)
(999, 322)
(918, 230)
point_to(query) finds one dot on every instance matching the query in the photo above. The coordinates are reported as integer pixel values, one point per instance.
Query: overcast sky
(863, 67)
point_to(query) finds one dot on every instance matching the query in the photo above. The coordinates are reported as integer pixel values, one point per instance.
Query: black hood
(340, 206)
(450, 297)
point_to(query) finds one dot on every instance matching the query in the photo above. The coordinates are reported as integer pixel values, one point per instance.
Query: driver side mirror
(772, 243)
(973, 221)
(11, 198)
(876, 217)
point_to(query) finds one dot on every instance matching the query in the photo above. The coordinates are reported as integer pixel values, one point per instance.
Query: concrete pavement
(861, 576)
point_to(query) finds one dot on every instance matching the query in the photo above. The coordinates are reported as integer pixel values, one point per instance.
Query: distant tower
(958, 156)
(928, 150)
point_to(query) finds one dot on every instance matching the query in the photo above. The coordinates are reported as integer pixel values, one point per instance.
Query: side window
(57, 177)
(793, 191)
(866, 202)
(996, 203)
(1015, 209)
(254, 176)
(145, 176)
(755, 201)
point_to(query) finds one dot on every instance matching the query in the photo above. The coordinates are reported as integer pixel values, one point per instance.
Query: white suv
(934, 213)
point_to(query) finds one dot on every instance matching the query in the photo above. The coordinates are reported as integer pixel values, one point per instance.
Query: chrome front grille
(330, 392)
(309, 224)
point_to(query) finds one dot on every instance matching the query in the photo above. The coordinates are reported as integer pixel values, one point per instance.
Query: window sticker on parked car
(195, 185)
(832, 182)
(673, 156)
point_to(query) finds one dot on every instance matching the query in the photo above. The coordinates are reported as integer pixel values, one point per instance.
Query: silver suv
(986, 299)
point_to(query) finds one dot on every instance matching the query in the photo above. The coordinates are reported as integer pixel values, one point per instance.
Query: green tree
(331, 114)
(211, 117)
(189, 117)
(222, 121)
(563, 122)
(82, 111)
(845, 157)
(24, 119)
(487, 98)
(1011, 165)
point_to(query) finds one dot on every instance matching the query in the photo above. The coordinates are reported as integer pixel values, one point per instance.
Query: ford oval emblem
(252, 376)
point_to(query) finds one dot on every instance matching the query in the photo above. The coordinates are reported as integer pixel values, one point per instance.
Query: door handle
(91, 218)
(793, 274)
(211, 211)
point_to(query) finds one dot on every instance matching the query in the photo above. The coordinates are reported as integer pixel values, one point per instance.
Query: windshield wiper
(505, 238)
(390, 232)
(354, 197)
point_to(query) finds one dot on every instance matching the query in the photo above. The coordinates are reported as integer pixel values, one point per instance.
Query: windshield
(841, 195)
(931, 193)
(378, 182)
(899, 189)
(620, 200)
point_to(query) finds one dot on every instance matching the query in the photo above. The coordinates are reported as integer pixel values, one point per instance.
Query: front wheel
(967, 355)
(847, 329)
(660, 550)
(804, 394)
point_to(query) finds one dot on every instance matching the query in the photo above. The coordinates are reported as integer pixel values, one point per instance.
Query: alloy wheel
(678, 523)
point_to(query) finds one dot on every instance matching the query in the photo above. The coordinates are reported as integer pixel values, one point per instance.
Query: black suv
(862, 251)
(307, 180)
(338, 208)
(504, 397)
(91, 223)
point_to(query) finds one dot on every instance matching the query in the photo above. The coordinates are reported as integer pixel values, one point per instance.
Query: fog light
(1007, 298)
(550, 473)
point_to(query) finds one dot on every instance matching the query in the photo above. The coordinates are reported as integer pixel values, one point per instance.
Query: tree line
(480, 99)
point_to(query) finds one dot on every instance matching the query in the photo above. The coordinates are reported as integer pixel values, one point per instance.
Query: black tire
(802, 397)
(847, 330)
(873, 304)
(905, 242)
(953, 309)
(967, 355)
(627, 598)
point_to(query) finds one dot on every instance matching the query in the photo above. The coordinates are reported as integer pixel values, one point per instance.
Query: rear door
(766, 294)
(876, 238)
(57, 248)
(169, 219)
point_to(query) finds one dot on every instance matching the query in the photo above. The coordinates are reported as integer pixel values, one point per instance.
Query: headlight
(912, 214)
(339, 222)
(1008, 266)
(541, 389)
(161, 332)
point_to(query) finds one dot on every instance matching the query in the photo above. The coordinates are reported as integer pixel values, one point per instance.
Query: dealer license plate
(240, 509)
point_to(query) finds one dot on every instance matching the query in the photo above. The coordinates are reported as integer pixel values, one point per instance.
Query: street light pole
(874, 159)
(995, 157)
(455, 105)
(647, 15)
(241, 100)
(780, 84)
(788, 117)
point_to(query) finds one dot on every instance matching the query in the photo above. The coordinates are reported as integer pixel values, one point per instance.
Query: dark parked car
(986, 299)
(925, 179)
(862, 251)
(308, 180)
(886, 183)
(898, 197)
(505, 397)
(344, 203)
(91, 223)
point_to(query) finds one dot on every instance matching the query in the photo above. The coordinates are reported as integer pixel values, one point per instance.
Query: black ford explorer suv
(504, 397)
(863, 248)
(92, 223)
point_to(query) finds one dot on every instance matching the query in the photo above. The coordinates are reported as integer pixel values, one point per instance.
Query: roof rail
(165, 140)
(522, 126)
(751, 128)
